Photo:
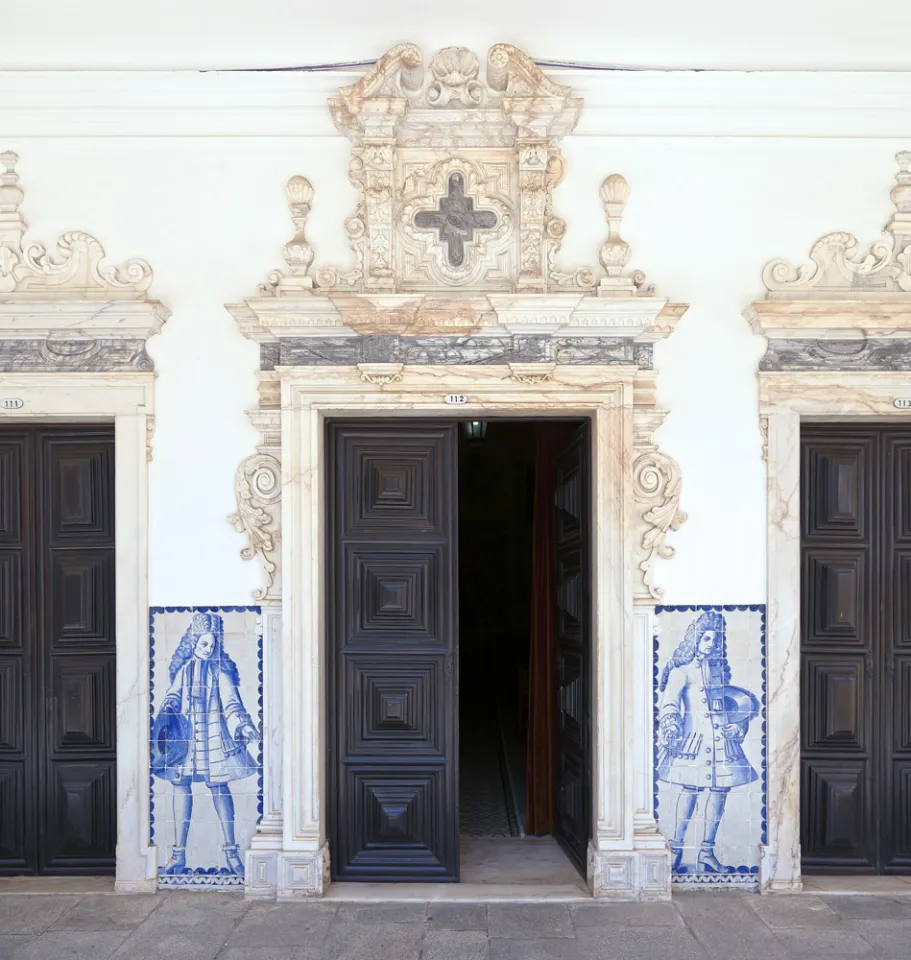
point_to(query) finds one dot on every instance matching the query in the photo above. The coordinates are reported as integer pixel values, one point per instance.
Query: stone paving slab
(283, 925)
(100, 912)
(694, 926)
(869, 908)
(625, 914)
(32, 914)
(619, 943)
(455, 945)
(349, 940)
(817, 943)
(790, 912)
(457, 916)
(542, 921)
(73, 945)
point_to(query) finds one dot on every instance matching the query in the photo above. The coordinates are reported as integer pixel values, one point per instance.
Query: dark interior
(496, 502)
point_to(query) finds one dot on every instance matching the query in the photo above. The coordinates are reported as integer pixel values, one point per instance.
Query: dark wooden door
(856, 649)
(57, 694)
(573, 648)
(392, 641)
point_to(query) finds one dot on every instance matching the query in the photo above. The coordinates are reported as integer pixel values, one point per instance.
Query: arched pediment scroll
(848, 308)
(68, 309)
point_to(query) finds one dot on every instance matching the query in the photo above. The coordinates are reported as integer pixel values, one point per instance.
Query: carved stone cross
(456, 220)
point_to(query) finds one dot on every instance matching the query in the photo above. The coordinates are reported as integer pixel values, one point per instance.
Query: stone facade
(423, 309)
(422, 313)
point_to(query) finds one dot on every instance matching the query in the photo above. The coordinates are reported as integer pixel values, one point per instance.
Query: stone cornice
(831, 319)
(672, 103)
(642, 319)
(109, 319)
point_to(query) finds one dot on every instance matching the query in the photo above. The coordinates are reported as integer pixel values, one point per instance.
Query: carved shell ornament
(455, 72)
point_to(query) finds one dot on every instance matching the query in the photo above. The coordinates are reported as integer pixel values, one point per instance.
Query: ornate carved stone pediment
(455, 239)
(837, 267)
(845, 310)
(455, 164)
(68, 310)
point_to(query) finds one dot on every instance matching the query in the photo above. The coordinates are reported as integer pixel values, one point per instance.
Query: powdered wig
(203, 623)
(686, 649)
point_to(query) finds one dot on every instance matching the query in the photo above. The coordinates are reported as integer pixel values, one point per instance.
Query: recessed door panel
(391, 570)
(856, 649)
(57, 696)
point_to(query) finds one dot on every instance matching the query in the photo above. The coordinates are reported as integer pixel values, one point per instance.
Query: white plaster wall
(209, 214)
(773, 34)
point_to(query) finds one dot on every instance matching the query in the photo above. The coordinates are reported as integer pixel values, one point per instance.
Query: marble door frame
(788, 399)
(126, 399)
(628, 858)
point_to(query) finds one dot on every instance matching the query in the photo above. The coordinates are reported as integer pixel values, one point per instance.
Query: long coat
(703, 756)
(211, 702)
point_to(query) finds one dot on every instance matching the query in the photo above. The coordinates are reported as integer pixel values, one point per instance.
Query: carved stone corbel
(657, 486)
(381, 374)
(530, 373)
(258, 491)
(764, 430)
(257, 487)
(150, 435)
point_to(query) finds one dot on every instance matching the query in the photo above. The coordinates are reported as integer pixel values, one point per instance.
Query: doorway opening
(397, 658)
(508, 664)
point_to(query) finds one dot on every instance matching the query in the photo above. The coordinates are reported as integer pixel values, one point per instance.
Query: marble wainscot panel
(206, 742)
(710, 745)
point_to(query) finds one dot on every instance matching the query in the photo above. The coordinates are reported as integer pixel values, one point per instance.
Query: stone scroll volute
(657, 486)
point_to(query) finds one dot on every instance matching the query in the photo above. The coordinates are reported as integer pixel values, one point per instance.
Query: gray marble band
(857, 354)
(394, 348)
(95, 356)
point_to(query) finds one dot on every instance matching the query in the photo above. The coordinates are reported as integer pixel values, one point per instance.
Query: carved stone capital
(257, 487)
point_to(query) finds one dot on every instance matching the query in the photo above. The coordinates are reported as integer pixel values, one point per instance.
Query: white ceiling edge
(617, 103)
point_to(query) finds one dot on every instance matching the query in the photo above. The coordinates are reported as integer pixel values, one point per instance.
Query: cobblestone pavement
(187, 926)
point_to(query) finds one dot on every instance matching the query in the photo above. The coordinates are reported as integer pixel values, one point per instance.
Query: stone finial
(900, 225)
(615, 251)
(298, 252)
(12, 223)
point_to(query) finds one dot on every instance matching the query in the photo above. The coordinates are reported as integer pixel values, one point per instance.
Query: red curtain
(542, 696)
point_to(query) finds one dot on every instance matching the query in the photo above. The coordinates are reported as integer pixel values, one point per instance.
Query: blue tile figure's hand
(247, 733)
(733, 731)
